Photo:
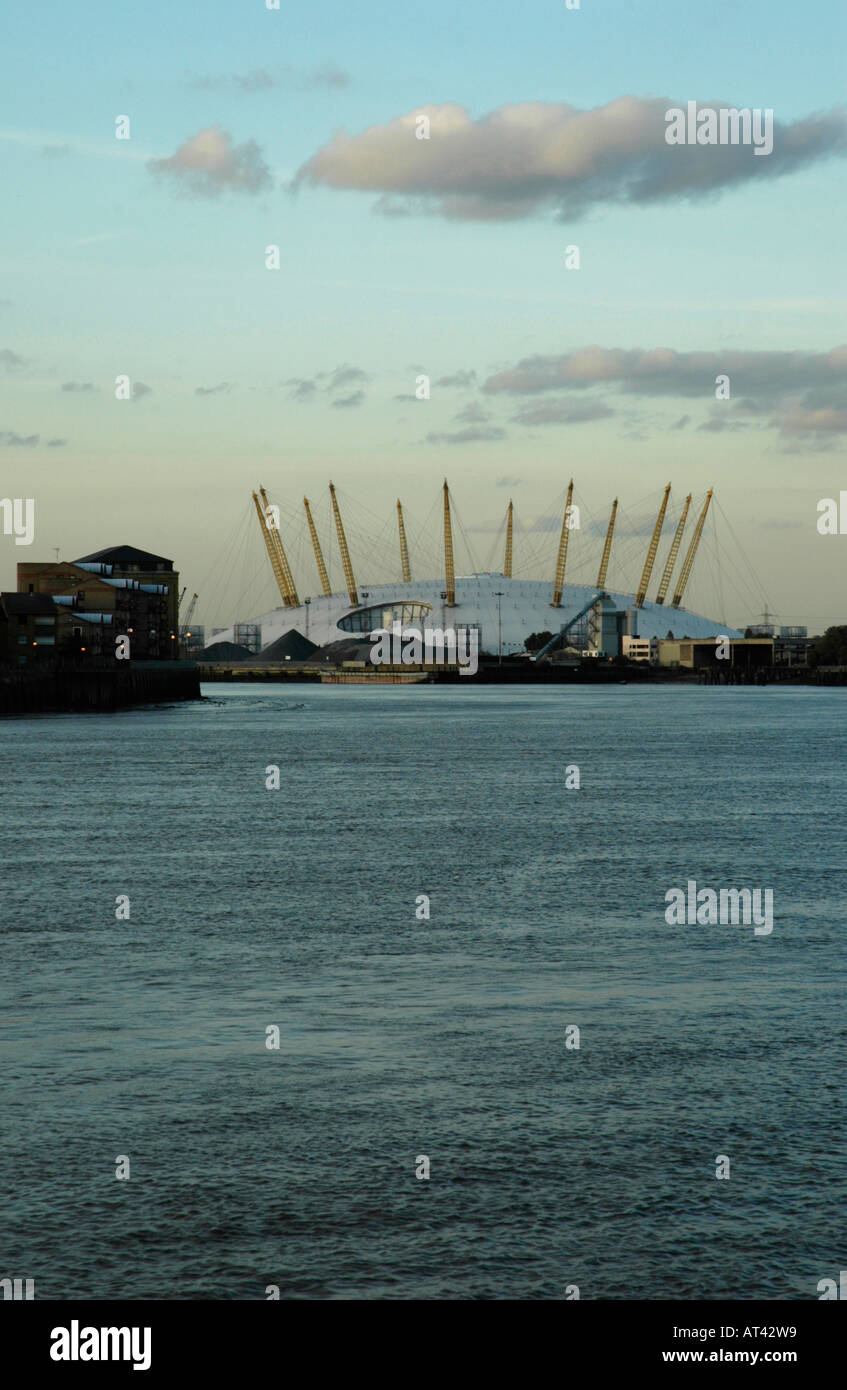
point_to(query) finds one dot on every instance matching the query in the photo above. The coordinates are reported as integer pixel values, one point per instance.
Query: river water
(402, 1038)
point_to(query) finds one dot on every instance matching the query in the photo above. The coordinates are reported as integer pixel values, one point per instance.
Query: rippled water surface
(446, 1038)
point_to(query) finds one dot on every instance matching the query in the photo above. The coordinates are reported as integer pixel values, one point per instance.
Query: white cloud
(526, 158)
(210, 164)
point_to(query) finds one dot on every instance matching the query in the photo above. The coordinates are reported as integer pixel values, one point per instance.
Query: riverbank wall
(48, 687)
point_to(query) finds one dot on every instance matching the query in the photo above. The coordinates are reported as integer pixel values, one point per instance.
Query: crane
(185, 626)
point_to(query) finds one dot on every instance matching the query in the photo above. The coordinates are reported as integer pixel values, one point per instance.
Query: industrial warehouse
(502, 610)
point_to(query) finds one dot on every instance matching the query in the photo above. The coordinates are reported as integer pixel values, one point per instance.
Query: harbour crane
(185, 625)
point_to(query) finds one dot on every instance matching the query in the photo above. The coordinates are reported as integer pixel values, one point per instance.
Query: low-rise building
(192, 640)
(698, 652)
(791, 647)
(636, 648)
(122, 591)
(128, 562)
(28, 628)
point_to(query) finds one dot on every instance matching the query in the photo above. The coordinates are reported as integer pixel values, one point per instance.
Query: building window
(383, 615)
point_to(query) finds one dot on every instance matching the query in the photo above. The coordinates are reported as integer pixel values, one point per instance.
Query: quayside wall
(48, 687)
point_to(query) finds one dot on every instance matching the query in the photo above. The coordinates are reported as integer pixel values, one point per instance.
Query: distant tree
(537, 640)
(831, 649)
(748, 632)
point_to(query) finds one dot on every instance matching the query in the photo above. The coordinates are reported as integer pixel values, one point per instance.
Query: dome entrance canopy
(382, 615)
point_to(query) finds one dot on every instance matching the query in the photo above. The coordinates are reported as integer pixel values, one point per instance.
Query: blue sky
(109, 267)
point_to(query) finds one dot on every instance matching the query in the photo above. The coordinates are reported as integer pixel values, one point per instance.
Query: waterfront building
(696, 653)
(28, 627)
(116, 591)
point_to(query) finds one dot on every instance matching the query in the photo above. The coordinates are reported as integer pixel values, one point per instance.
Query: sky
(400, 257)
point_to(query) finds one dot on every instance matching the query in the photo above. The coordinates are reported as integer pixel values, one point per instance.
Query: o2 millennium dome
(505, 610)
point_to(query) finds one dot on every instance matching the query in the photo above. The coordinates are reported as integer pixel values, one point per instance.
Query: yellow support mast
(316, 546)
(276, 542)
(562, 558)
(507, 563)
(651, 550)
(449, 571)
(404, 549)
(279, 574)
(673, 552)
(345, 553)
(692, 551)
(607, 547)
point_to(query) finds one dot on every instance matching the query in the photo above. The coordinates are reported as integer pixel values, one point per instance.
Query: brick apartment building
(120, 590)
(28, 625)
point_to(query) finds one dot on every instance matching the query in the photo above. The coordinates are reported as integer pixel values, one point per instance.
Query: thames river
(149, 1043)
